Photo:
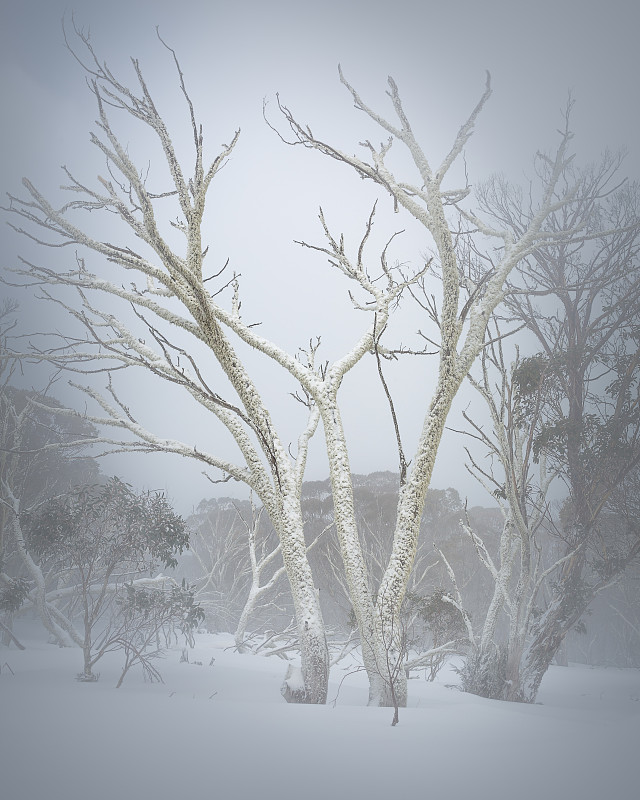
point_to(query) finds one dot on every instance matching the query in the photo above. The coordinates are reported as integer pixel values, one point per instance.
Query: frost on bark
(470, 290)
(157, 281)
(469, 293)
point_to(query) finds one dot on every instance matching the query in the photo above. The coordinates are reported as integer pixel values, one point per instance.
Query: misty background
(217, 710)
(237, 56)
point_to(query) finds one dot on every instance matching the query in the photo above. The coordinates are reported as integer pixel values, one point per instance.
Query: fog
(203, 630)
(234, 57)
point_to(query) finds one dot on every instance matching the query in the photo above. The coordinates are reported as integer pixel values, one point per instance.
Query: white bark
(462, 334)
(266, 465)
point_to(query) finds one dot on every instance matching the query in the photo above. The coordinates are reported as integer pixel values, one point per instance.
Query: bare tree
(470, 291)
(171, 281)
(573, 409)
(239, 572)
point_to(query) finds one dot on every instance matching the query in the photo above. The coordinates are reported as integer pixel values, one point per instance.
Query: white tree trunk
(314, 652)
(267, 467)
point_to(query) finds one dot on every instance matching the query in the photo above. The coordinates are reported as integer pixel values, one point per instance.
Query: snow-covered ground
(221, 730)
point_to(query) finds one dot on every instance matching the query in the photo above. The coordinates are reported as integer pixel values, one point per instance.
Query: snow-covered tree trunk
(518, 632)
(266, 465)
(461, 327)
(369, 622)
(314, 652)
(502, 579)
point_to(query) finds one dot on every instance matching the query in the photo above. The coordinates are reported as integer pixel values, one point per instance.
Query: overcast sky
(234, 55)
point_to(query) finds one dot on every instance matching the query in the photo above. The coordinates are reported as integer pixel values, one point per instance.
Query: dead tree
(166, 281)
(470, 290)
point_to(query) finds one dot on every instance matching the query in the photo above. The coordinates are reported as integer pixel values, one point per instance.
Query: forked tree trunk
(375, 656)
